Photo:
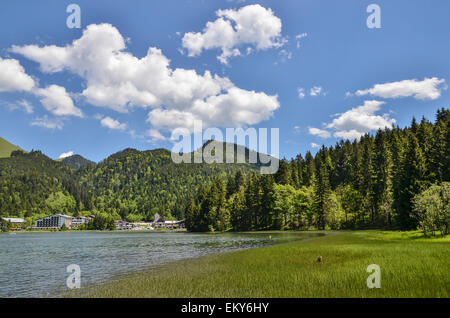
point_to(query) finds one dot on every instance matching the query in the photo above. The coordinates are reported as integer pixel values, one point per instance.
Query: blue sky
(323, 75)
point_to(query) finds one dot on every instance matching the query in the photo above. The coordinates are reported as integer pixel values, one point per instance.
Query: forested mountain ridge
(33, 184)
(76, 161)
(129, 184)
(375, 182)
(367, 183)
(145, 182)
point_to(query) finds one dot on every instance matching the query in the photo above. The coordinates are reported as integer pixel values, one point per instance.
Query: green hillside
(76, 161)
(130, 182)
(6, 148)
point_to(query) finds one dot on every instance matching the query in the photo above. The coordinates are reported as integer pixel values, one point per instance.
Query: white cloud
(26, 106)
(118, 80)
(316, 91)
(155, 135)
(348, 134)
(236, 108)
(251, 26)
(356, 122)
(65, 155)
(319, 132)
(285, 55)
(301, 92)
(362, 118)
(56, 100)
(23, 105)
(298, 37)
(314, 145)
(110, 123)
(429, 88)
(297, 129)
(13, 77)
(49, 123)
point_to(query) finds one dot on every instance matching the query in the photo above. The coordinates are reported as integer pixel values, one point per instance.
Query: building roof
(14, 220)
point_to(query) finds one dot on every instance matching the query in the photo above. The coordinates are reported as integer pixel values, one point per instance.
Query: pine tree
(321, 190)
(410, 183)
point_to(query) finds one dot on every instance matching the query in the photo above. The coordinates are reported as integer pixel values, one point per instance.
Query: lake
(34, 264)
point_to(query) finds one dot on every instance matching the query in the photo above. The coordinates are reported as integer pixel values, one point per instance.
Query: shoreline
(290, 270)
(155, 268)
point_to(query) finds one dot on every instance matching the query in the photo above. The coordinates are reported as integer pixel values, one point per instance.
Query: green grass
(6, 148)
(411, 266)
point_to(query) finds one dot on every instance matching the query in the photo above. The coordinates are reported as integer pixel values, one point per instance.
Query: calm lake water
(34, 264)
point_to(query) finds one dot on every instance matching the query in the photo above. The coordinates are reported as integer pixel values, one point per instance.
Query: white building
(77, 221)
(123, 225)
(54, 222)
(14, 220)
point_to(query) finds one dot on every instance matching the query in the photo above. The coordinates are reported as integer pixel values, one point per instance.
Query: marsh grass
(411, 266)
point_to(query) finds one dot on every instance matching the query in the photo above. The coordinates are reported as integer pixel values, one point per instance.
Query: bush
(432, 209)
(5, 226)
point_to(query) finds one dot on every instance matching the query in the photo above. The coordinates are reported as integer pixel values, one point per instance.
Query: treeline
(369, 183)
(130, 184)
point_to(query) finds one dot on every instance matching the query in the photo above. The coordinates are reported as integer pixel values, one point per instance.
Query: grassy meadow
(411, 266)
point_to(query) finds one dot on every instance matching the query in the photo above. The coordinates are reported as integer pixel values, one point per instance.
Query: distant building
(77, 221)
(54, 222)
(16, 223)
(159, 222)
(123, 225)
(174, 224)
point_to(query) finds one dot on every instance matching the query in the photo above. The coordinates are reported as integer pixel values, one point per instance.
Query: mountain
(33, 184)
(6, 148)
(146, 182)
(76, 161)
(130, 182)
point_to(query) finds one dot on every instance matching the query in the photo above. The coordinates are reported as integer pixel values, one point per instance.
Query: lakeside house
(16, 223)
(159, 222)
(77, 221)
(123, 225)
(56, 221)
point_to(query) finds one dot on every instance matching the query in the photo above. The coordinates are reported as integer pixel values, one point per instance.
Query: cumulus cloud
(319, 132)
(429, 88)
(111, 123)
(356, 122)
(118, 80)
(13, 77)
(155, 135)
(65, 155)
(49, 123)
(252, 26)
(314, 145)
(56, 100)
(301, 92)
(362, 118)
